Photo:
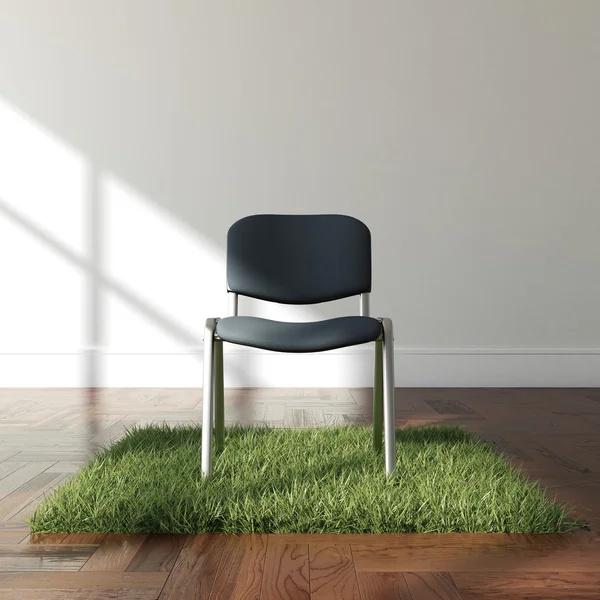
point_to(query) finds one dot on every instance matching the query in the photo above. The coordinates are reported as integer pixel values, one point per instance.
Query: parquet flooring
(554, 434)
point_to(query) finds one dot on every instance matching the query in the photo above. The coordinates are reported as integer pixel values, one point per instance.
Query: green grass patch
(320, 480)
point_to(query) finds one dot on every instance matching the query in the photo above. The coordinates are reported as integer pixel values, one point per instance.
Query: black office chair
(299, 259)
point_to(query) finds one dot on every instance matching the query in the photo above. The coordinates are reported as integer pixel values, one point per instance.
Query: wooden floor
(553, 433)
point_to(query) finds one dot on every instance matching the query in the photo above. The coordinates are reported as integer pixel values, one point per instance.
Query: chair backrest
(299, 259)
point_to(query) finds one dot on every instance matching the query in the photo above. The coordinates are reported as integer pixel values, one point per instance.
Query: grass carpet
(326, 480)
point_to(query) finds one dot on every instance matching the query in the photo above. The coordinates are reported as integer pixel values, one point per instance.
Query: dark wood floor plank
(158, 553)
(394, 539)
(195, 569)
(48, 538)
(44, 594)
(115, 552)
(368, 557)
(512, 447)
(119, 594)
(85, 594)
(36, 455)
(590, 445)
(432, 586)
(558, 452)
(7, 526)
(28, 505)
(286, 572)
(240, 571)
(8, 467)
(527, 585)
(28, 493)
(383, 586)
(35, 557)
(21, 477)
(332, 575)
(579, 537)
(81, 580)
(84, 538)
(592, 394)
(584, 498)
(451, 406)
(12, 537)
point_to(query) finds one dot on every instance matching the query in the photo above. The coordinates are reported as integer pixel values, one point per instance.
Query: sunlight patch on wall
(43, 188)
(42, 177)
(177, 274)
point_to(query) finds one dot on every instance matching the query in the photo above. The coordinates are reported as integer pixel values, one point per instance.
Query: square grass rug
(319, 480)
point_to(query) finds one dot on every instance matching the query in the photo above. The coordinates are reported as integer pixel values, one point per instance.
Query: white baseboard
(351, 367)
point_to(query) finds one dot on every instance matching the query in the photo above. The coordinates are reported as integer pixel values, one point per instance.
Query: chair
(298, 259)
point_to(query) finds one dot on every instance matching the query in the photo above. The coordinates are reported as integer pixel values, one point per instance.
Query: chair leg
(389, 412)
(208, 396)
(219, 398)
(378, 397)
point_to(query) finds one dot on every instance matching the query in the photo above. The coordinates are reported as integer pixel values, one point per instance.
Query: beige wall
(465, 133)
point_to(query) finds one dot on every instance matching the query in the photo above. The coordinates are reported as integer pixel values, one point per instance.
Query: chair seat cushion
(314, 336)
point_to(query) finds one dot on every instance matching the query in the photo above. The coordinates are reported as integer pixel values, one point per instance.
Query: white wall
(466, 134)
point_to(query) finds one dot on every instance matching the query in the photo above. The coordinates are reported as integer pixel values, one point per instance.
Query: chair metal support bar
(208, 396)
(233, 304)
(365, 304)
(219, 396)
(389, 416)
(378, 397)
